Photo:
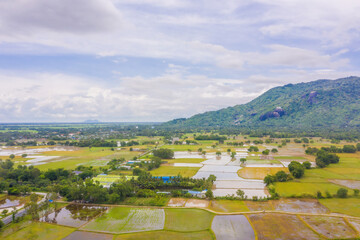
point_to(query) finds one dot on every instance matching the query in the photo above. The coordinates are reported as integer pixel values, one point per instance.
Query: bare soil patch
(197, 203)
(280, 226)
(177, 202)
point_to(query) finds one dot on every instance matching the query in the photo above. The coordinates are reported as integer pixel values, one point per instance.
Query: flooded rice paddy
(233, 227)
(73, 215)
(9, 202)
(225, 169)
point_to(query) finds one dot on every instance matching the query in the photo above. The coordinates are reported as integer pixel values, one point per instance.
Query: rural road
(22, 211)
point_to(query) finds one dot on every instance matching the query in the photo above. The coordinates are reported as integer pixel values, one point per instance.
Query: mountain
(326, 104)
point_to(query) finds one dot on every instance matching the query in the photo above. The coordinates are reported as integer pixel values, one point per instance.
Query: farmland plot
(299, 205)
(330, 227)
(281, 226)
(124, 220)
(355, 223)
(187, 220)
(73, 215)
(232, 227)
(166, 235)
(176, 202)
(79, 235)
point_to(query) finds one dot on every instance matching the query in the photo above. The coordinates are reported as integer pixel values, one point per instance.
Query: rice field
(228, 206)
(348, 206)
(330, 227)
(125, 220)
(187, 220)
(41, 231)
(232, 227)
(81, 235)
(167, 235)
(269, 226)
(174, 171)
(259, 172)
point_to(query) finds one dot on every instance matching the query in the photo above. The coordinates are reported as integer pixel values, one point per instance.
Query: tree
(164, 153)
(358, 146)
(12, 156)
(1, 224)
(24, 155)
(324, 158)
(269, 179)
(307, 165)
(266, 152)
(240, 193)
(296, 169)
(233, 154)
(342, 193)
(274, 150)
(203, 152)
(281, 176)
(242, 160)
(349, 149)
(218, 153)
(209, 194)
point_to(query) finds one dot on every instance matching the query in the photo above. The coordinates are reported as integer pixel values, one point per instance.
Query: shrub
(356, 192)
(342, 193)
(319, 195)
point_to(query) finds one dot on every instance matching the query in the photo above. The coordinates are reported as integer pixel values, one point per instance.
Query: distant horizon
(154, 61)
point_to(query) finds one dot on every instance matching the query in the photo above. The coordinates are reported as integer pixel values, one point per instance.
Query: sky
(156, 60)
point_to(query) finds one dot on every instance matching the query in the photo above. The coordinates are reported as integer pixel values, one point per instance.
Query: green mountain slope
(317, 104)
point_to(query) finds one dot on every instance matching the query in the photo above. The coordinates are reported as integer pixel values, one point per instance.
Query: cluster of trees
(296, 170)
(303, 140)
(253, 149)
(334, 149)
(221, 139)
(115, 163)
(324, 158)
(164, 153)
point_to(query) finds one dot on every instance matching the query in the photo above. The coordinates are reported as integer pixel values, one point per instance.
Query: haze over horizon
(156, 60)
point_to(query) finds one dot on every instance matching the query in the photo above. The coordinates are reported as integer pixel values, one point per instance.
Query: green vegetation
(300, 104)
(187, 220)
(228, 206)
(175, 171)
(348, 206)
(122, 220)
(41, 231)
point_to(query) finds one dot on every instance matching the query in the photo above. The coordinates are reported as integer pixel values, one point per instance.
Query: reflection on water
(7, 202)
(73, 215)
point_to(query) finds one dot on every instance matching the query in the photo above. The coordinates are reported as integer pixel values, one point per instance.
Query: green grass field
(84, 156)
(166, 235)
(174, 171)
(41, 231)
(228, 206)
(291, 189)
(349, 206)
(316, 179)
(187, 220)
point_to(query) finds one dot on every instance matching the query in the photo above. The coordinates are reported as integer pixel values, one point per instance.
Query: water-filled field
(123, 220)
(233, 227)
(73, 215)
